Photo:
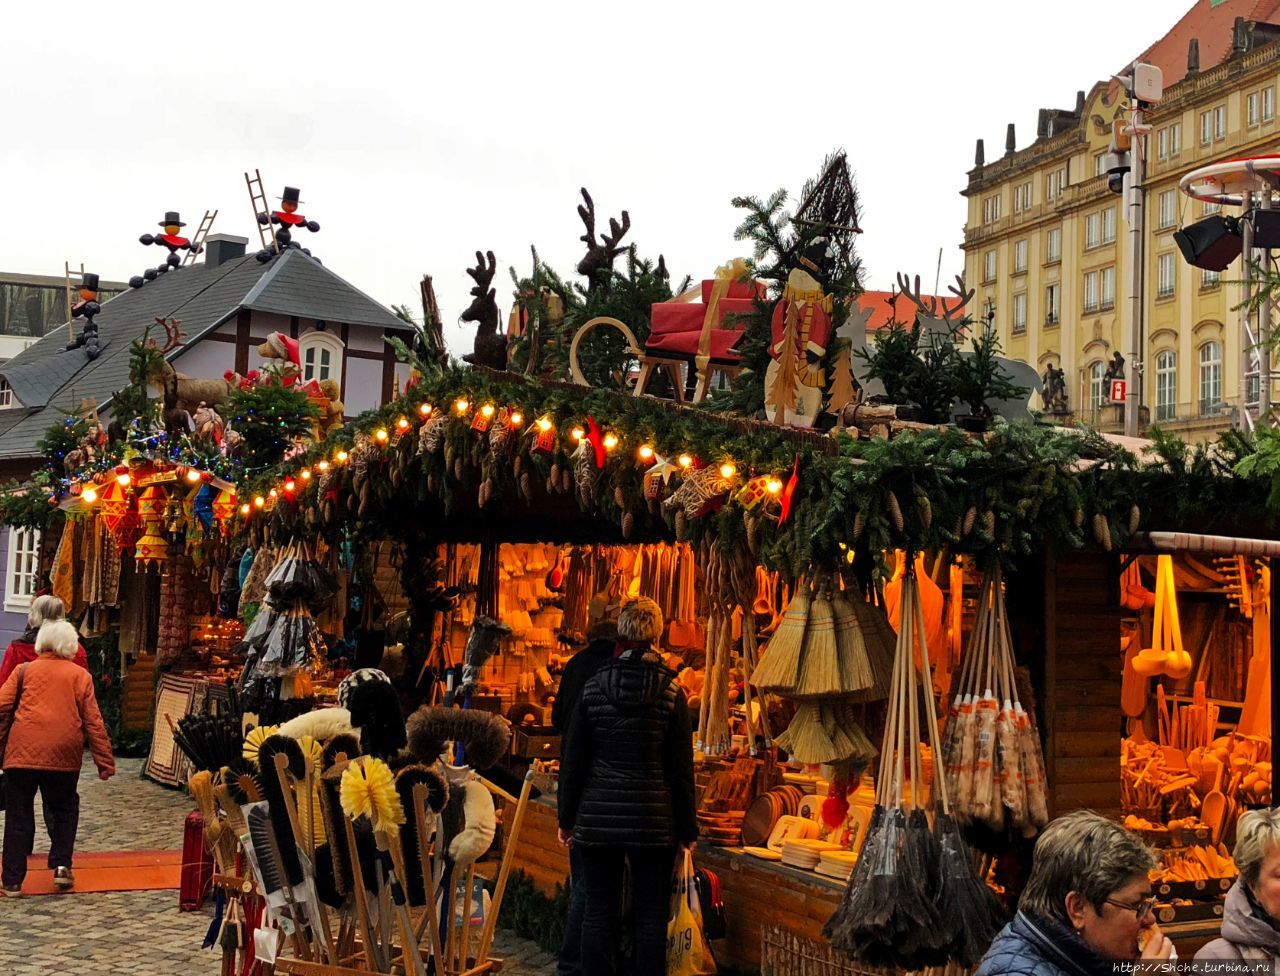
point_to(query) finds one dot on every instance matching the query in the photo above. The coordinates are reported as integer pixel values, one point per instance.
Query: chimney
(221, 248)
(1239, 37)
(979, 155)
(1042, 124)
(1193, 56)
(1079, 103)
(1010, 142)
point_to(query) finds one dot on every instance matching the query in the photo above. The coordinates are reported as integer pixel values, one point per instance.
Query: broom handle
(408, 941)
(500, 887)
(468, 889)
(940, 781)
(362, 908)
(909, 604)
(319, 943)
(883, 782)
(430, 887)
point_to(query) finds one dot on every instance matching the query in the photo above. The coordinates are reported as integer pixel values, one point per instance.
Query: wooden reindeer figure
(599, 256)
(490, 348)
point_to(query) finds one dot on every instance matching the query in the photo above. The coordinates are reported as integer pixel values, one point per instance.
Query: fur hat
(485, 737)
(640, 620)
(356, 678)
(375, 711)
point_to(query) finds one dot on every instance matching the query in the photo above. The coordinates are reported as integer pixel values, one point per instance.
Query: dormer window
(321, 354)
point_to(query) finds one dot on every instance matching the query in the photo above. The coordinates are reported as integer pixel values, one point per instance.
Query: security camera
(1116, 165)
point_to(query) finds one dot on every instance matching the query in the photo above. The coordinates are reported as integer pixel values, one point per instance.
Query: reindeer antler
(616, 233)
(588, 215)
(905, 286)
(482, 274)
(173, 334)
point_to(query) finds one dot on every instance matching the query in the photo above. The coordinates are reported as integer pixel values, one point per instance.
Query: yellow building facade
(1046, 241)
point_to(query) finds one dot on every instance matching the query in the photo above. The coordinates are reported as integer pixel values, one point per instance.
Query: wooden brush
(779, 667)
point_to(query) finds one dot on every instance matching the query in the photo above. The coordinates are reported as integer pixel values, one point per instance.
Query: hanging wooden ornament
(483, 417)
(585, 471)
(151, 549)
(786, 499)
(657, 476)
(701, 491)
(500, 434)
(543, 432)
(432, 432)
(755, 491)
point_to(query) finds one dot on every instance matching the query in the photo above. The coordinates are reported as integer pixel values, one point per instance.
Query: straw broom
(820, 671)
(779, 667)
(856, 672)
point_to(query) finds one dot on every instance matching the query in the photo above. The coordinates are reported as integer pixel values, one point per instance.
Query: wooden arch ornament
(633, 347)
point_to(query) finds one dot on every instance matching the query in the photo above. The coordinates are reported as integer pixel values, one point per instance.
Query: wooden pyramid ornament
(830, 203)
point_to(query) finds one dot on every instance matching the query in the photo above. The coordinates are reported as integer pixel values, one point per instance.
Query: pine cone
(1102, 531)
(517, 464)
(555, 473)
(619, 498)
(753, 534)
(566, 482)
(895, 511)
(449, 455)
(1135, 518)
(526, 486)
(958, 527)
(459, 469)
(628, 525)
(970, 518)
(859, 524)
(1078, 518)
(552, 488)
(682, 525)
(926, 510)
(989, 523)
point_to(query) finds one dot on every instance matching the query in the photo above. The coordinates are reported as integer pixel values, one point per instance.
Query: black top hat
(89, 281)
(818, 258)
(290, 195)
(171, 217)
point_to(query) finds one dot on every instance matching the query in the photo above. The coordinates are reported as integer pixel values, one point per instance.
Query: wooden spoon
(1213, 812)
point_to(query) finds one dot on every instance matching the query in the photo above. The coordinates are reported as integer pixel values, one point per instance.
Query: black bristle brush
(209, 741)
(273, 793)
(484, 737)
(333, 864)
(342, 744)
(970, 915)
(437, 794)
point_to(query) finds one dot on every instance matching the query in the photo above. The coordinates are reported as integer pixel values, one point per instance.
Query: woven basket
(783, 953)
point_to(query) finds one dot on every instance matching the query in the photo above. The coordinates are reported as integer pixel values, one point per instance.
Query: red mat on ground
(108, 871)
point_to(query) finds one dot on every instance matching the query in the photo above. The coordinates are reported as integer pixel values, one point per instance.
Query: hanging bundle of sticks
(991, 752)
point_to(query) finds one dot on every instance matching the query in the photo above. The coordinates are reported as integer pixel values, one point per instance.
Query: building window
(1210, 378)
(991, 209)
(1253, 108)
(6, 395)
(22, 577)
(1097, 386)
(989, 266)
(321, 354)
(1268, 104)
(1219, 123)
(1166, 385)
(1052, 303)
(1093, 230)
(1162, 144)
(1109, 225)
(1053, 245)
(1210, 207)
(1100, 164)
(1022, 197)
(1020, 312)
(1169, 141)
(1091, 291)
(1206, 128)
(1055, 183)
(1108, 278)
(1165, 275)
(1020, 256)
(1168, 209)
(1210, 279)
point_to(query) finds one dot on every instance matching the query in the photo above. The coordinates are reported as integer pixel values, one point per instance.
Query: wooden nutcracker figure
(800, 333)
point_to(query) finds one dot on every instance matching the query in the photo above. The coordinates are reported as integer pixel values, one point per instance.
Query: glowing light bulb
(305, 474)
(381, 435)
(517, 418)
(727, 471)
(341, 457)
(403, 423)
(89, 496)
(610, 441)
(425, 409)
(323, 465)
(685, 461)
(544, 424)
(645, 452)
(577, 433)
(488, 410)
(123, 480)
(273, 493)
(259, 501)
(290, 485)
(244, 510)
(461, 405)
(193, 474)
(773, 486)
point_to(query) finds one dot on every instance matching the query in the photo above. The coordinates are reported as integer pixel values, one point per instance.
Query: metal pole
(1246, 333)
(1137, 231)
(1264, 333)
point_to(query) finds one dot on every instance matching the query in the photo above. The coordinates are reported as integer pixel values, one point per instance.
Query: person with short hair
(1087, 905)
(50, 711)
(1250, 930)
(43, 609)
(626, 793)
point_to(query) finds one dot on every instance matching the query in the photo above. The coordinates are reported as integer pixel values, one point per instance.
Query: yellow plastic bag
(687, 951)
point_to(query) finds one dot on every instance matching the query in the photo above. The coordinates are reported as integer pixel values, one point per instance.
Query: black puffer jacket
(626, 772)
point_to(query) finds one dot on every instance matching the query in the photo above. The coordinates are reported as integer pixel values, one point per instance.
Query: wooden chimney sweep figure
(800, 331)
(490, 346)
(87, 308)
(172, 241)
(285, 220)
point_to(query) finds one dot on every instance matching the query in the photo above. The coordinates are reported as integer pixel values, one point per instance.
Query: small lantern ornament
(151, 548)
(544, 436)
(657, 477)
(224, 506)
(754, 492)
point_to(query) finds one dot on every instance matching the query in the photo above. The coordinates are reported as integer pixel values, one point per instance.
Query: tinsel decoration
(368, 789)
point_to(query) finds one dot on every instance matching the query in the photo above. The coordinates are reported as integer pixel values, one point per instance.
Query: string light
(610, 441)
(773, 486)
(193, 474)
(273, 493)
(289, 486)
(425, 409)
(577, 433)
(544, 424)
(341, 457)
(488, 410)
(305, 474)
(89, 496)
(645, 452)
(461, 406)
(727, 470)
(123, 480)
(403, 423)
(244, 509)
(685, 461)
(381, 435)
(259, 501)
(323, 465)
(517, 418)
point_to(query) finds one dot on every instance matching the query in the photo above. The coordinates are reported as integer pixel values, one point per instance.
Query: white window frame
(1168, 209)
(1206, 128)
(1175, 138)
(1219, 123)
(1210, 376)
(1020, 256)
(1093, 231)
(1053, 245)
(7, 399)
(318, 341)
(1052, 303)
(1109, 225)
(1100, 164)
(1210, 207)
(1166, 275)
(1252, 114)
(989, 265)
(21, 578)
(1020, 312)
(1166, 385)
(1210, 279)
(1107, 288)
(1090, 291)
(1055, 184)
(1097, 385)
(991, 209)
(1162, 143)
(1268, 103)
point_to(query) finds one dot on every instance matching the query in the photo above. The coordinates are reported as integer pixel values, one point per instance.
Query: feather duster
(322, 724)
(484, 737)
(369, 790)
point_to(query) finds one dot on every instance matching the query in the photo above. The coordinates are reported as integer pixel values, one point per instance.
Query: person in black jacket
(578, 671)
(626, 792)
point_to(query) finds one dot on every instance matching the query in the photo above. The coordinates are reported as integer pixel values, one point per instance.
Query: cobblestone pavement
(139, 933)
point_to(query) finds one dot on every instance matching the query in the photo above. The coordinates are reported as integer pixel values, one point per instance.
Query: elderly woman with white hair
(47, 713)
(1250, 930)
(43, 609)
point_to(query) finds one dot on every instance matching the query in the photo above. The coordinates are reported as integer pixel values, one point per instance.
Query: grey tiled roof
(48, 381)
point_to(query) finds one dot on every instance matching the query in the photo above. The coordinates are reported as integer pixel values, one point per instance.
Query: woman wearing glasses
(1087, 905)
(1253, 903)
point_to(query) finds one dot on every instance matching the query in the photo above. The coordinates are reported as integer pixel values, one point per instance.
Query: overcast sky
(419, 133)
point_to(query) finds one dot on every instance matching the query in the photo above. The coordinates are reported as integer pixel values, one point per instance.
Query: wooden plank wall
(1081, 698)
